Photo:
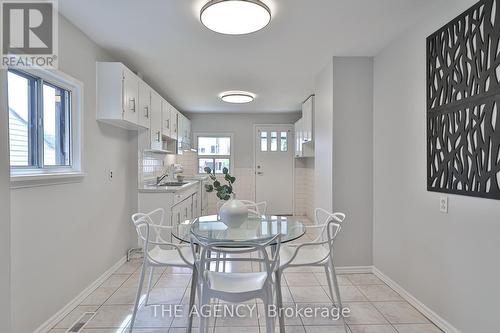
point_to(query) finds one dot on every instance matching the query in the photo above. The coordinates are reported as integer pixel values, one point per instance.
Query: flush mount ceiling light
(235, 17)
(237, 97)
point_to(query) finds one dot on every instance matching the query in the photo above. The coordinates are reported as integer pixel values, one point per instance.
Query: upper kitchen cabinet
(304, 130)
(117, 95)
(156, 121)
(166, 121)
(144, 109)
(174, 115)
(184, 133)
(307, 119)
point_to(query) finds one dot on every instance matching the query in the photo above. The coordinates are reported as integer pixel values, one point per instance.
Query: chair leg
(279, 301)
(329, 280)
(138, 296)
(203, 316)
(150, 284)
(337, 292)
(268, 300)
(192, 295)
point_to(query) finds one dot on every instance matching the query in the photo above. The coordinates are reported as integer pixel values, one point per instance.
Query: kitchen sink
(173, 184)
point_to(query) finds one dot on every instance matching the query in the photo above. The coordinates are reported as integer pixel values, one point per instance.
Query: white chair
(236, 287)
(158, 252)
(318, 252)
(255, 209)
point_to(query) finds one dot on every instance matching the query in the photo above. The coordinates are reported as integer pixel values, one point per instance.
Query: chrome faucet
(159, 179)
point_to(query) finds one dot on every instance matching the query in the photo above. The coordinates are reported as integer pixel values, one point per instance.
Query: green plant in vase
(224, 192)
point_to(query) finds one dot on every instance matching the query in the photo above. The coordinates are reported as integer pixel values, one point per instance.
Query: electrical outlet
(443, 204)
(110, 175)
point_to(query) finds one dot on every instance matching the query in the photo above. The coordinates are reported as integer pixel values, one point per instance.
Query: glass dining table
(257, 229)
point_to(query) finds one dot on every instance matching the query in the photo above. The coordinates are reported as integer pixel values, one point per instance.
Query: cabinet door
(297, 138)
(144, 109)
(181, 132)
(130, 86)
(196, 206)
(188, 134)
(165, 128)
(176, 214)
(307, 119)
(173, 123)
(189, 208)
(155, 130)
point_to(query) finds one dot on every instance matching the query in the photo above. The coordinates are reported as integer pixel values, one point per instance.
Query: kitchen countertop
(166, 189)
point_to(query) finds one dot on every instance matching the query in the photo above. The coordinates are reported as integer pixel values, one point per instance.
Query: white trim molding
(353, 269)
(426, 311)
(56, 318)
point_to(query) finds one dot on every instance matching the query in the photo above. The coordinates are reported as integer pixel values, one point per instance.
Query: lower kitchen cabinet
(181, 205)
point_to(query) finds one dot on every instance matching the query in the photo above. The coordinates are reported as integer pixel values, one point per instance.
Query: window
(42, 130)
(284, 141)
(214, 152)
(273, 141)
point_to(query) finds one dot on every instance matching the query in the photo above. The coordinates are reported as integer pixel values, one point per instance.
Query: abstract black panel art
(463, 104)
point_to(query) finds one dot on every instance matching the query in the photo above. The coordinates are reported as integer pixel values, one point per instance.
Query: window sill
(35, 179)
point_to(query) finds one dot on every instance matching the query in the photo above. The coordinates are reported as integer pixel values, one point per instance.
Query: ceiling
(190, 65)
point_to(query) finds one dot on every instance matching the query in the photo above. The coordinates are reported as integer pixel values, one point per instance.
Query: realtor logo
(29, 33)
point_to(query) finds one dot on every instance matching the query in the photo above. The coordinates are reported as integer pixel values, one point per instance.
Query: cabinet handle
(168, 123)
(132, 104)
(146, 111)
(158, 136)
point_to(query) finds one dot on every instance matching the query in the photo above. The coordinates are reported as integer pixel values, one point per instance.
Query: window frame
(215, 157)
(39, 174)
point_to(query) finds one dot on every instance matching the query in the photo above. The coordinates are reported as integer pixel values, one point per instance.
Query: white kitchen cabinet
(196, 205)
(117, 95)
(165, 127)
(144, 109)
(304, 130)
(156, 121)
(307, 119)
(299, 133)
(184, 133)
(173, 123)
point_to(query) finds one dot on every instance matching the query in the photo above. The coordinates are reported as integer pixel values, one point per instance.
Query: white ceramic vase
(233, 213)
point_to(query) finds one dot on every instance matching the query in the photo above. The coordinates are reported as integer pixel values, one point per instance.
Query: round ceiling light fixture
(237, 97)
(235, 17)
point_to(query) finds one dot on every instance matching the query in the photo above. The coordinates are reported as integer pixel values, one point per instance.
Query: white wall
(323, 138)
(65, 236)
(241, 125)
(5, 262)
(353, 157)
(448, 261)
(344, 154)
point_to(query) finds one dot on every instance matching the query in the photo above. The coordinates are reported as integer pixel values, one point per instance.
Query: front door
(274, 168)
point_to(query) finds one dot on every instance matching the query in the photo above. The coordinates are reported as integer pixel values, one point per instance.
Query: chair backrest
(254, 208)
(149, 227)
(206, 261)
(141, 220)
(323, 218)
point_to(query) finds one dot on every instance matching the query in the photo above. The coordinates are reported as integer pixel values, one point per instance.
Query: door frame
(254, 159)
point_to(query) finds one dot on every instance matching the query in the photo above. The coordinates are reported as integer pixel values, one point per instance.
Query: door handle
(260, 173)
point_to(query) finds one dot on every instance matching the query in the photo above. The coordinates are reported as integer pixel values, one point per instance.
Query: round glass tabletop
(255, 228)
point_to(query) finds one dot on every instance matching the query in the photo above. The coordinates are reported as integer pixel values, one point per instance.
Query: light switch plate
(443, 204)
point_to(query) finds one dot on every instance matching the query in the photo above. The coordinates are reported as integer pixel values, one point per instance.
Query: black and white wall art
(463, 104)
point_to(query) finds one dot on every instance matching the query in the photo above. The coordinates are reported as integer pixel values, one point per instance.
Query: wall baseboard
(353, 269)
(52, 321)
(426, 311)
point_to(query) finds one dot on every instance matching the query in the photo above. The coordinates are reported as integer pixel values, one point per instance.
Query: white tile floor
(375, 308)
